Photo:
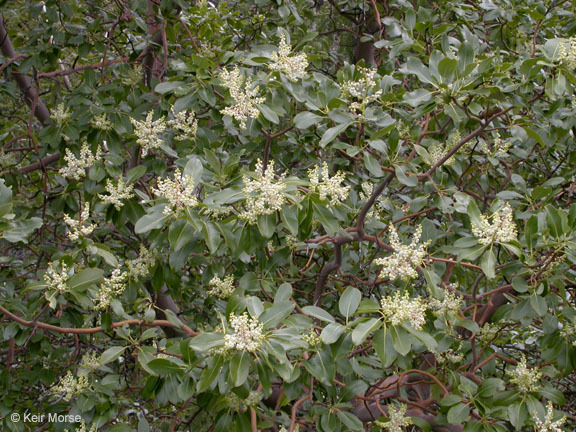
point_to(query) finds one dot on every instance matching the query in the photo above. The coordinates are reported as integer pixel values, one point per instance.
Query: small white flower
(329, 188)
(186, 124)
(397, 419)
(140, 266)
(61, 114)
(222, 288)
(90, 361)
(312, 339)
(246, 98)
(567, 53)
(57, 280)
(179, 192)
(363, 91)
(548, 425)
(293, 67)
(117, 194)
(148, 132)
(79, 228)
(76, 166)
(449, 306)
(110, 288)
(101, 122)
(398, 309)
(263, 195)
(72, 386)
(248, 333)
(501, 230)
(405, 258)
(525, 378)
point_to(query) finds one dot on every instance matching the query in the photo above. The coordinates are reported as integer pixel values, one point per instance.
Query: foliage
(288, 215)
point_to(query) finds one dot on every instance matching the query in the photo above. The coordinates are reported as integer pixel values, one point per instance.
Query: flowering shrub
(294, 215)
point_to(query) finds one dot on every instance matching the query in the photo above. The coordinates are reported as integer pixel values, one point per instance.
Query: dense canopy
(288, 215)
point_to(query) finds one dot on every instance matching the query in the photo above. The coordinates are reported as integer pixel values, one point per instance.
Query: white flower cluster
(501, 230)
(57, 280)
(140, 266)
(499, 149)
(240, 405)
(438, 151)
(449, 306)
(246, 99)
(405, 259)
(568, 332)
(79, 228)
(61, 114)
(76, 166)
(567, 53)
(449, 355)
(525, 378)
(263, 195)
(133, 76)
(118, 193)
(398, 309)
(101, 122)
(83, 427)
(312, 339)
(186, 124)
(293, 67)
(72, 386)
(380, 204)
(548, 425)
(90, 361)
(329, 188)
(110, 288)
(179, 192)
(397, 419)
(222, 288)
(362, 90)
(248, 333)
(7, 160)
(148, 132)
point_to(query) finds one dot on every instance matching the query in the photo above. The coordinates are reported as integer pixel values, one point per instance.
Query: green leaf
(539, 305)
(111, 354)
(206, 341)
(332, 133)
(306, 119)
(240, 368)
(104, 252)
(86, 278)
(168, 86)
(269, 114)
(362, 330)
(165, 367)
(400, 340)
(283, 293)
(372, 165)
(149, 222)
(319, 313)
(410, 181)
(349, 301)
(488, 264)
(210, 372)
(383, 346)
(458, 414)
(135, 173)
(274, 315)
(518, 414)
(267, 225)
(351, 422)
(331, 333)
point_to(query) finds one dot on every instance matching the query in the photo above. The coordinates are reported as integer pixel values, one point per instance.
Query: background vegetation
(288, 215)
